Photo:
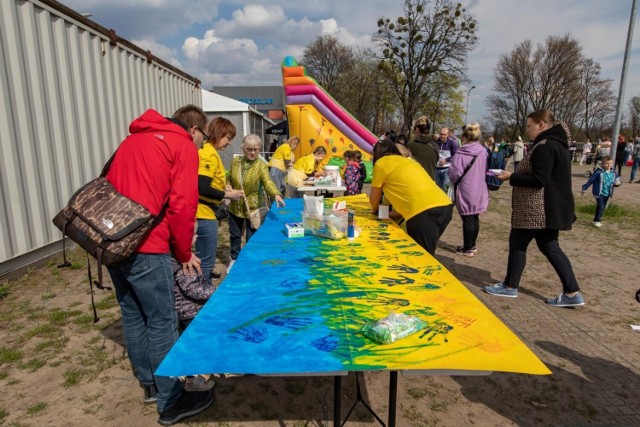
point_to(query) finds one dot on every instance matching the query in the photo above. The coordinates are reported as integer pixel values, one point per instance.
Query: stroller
(591, 158)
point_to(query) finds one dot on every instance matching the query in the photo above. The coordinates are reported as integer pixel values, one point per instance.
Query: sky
(238, 42)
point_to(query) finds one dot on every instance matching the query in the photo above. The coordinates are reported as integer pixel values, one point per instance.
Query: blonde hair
(423, 125)
(251, 140)
(472, 132)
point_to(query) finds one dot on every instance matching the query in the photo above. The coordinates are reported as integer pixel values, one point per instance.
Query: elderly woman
(249, 174)
(211, 186)
(281, 161)
(541, 205)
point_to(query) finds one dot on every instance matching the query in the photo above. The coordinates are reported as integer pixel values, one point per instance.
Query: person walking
(542, 204)
(635, 155)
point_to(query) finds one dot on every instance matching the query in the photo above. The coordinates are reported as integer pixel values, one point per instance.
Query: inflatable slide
(318, 119)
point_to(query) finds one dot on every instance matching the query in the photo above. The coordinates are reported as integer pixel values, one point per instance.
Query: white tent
(246, 119)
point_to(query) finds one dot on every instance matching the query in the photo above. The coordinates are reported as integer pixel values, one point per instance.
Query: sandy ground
(75, 373)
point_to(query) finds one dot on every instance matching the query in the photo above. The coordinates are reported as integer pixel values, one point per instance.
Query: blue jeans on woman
(601, 203)
(144, 289)
(634, 168)
(236, 224)
(207, 245)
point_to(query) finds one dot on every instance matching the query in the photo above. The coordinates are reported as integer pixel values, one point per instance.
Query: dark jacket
(542, 195)
(191, 292)
(425, 152)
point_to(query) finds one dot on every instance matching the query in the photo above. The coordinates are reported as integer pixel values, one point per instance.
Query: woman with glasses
(211, 186)
(248, 174)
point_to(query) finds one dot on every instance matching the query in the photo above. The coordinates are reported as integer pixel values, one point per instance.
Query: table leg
(393, 397)
(337, 391)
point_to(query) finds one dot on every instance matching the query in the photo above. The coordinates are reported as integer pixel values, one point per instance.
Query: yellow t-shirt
(407, 186)
(210, 165)
(303, 167)
(280, 156)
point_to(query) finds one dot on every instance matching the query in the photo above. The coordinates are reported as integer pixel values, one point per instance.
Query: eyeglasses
(206, 137)
(255, 150)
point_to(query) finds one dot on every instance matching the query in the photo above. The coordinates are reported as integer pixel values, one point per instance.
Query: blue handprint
(288, 321)
(326, 343)
(250, 334)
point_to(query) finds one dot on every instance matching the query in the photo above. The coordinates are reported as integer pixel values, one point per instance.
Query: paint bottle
(350, 226)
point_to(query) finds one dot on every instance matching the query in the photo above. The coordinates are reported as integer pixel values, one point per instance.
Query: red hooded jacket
(158, 162)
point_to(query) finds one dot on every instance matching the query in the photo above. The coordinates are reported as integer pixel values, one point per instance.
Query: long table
(297, 306)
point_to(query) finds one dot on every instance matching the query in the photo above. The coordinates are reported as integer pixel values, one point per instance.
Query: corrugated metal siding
(67, 96)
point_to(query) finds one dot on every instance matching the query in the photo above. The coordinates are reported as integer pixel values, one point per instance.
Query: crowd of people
(172, 166)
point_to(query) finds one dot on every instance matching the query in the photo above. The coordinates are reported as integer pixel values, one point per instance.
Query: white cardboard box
(294, 229)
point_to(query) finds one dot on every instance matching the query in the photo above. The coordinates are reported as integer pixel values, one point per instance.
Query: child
(604, 179)
(351, 174)
(363, 170)
(191, 293)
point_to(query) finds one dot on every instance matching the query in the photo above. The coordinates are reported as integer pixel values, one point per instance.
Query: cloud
(159, 51)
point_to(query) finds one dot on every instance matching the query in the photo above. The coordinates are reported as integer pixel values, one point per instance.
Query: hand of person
(441, 162)
(280, 201)
(192, 267)
(504, 176)
(234, 194)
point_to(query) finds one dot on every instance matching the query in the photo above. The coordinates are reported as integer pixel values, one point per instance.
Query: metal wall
(68, 90)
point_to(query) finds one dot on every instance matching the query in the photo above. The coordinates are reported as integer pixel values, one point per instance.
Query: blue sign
(258, 101)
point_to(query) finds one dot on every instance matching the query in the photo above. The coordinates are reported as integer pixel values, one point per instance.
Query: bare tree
(597, 99)
(326, 59)
(634, 116)
(556, 75)
(431, 38)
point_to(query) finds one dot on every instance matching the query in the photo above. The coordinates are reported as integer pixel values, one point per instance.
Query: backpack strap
(466, 170)
(65, 262)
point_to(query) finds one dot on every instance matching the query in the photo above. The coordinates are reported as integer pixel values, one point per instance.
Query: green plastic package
(393, 327)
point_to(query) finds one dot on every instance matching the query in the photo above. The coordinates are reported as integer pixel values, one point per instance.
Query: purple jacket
(472, 195)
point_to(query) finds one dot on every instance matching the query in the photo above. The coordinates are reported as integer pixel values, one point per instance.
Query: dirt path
(57, 368)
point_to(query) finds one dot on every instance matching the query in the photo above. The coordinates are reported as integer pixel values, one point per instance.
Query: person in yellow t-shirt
(305, 167)
(281, 161)
(411, 192)
(212, 179)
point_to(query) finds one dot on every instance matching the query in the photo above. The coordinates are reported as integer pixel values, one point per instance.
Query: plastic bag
(393, 327)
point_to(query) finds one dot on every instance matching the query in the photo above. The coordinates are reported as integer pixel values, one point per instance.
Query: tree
(634, 116)
(326, 59)
(427, 41)
(556, 75)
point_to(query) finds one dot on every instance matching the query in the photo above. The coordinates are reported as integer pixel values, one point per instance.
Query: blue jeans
(634, 168)
(601, 203)
(442, 178)
(144, 289)
(207, 245)
(235, 231)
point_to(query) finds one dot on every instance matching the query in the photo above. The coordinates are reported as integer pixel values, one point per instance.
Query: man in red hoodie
(157, 166)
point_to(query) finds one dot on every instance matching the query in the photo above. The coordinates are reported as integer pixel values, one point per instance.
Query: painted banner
(298, 305)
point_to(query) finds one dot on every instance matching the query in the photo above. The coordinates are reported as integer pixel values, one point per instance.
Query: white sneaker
(597, 224)
(231, 262)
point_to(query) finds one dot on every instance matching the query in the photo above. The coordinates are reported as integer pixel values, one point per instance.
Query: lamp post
(466, 112)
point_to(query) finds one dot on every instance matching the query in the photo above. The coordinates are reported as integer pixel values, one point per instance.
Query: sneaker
(565, 301)
(199, 383)
(189, 404)
(473, 249)
(466, 252)
(150, 392)
(500, 290)
(597, 224)
(231, 262)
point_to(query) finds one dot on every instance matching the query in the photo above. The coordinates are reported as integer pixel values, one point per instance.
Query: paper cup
(383, 212)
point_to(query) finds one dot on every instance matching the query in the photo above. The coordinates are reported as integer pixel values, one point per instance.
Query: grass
(8, 355)
(36, 408)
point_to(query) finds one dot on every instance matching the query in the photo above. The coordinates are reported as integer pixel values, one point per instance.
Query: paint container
(383, 212)
(351, 230)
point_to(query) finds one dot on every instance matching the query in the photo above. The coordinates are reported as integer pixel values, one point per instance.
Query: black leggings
(547, 241)
(470, 230)
(427, 227)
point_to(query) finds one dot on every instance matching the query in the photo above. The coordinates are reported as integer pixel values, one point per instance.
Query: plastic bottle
(350, 226)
